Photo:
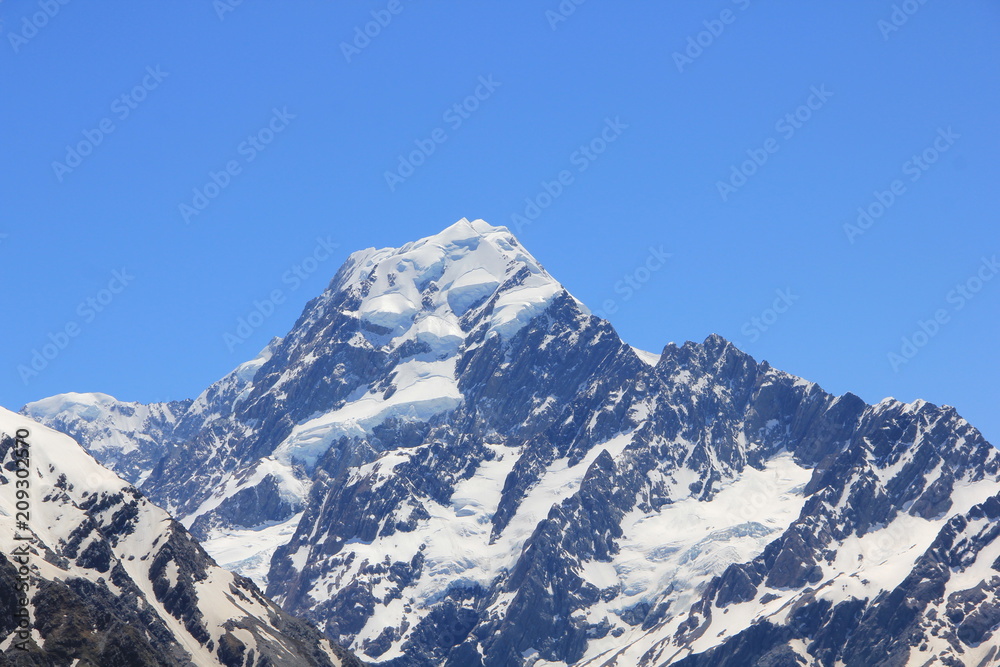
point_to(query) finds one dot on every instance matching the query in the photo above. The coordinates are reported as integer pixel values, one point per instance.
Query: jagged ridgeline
(450, 461)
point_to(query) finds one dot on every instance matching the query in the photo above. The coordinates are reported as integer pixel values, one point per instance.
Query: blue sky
(216, 154)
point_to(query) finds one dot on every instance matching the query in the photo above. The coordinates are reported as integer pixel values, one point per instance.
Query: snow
(685, 544)
(290, 487)
(479, 496)
(560, 481)
(423, 390)
(688, 542)
(239, 381)
(433, 292)
(392, 311)
(670, 555)
(421, 292)
(171, 572)
(248, 369)
(971, 576)
(456, 543)
(439, 333)
(878, 561)
(648, 358)
(471, 288)
(54, 517)
(862, 568)
(603, 575)
(88, 406)
(518, 306)
(60, 452)
(110, 423)
(466, 264)
(248, 551)
(52, 521)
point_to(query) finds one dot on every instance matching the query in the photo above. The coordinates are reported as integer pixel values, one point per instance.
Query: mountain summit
(450, 461)
(421, 292)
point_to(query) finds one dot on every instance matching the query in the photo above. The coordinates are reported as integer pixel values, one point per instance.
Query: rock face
(114, 580)
(449, 461)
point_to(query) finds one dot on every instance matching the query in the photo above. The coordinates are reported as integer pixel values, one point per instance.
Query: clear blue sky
(206, 84)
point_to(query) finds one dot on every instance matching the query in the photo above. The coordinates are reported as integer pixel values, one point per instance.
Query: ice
(442, 335)
(455, 270)
(423, 389)
(518, 306)
(393, 311)
(471, 288)
(248, 551)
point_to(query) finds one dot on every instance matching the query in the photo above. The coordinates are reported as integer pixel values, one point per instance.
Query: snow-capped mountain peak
(422, 290)
(449, 461)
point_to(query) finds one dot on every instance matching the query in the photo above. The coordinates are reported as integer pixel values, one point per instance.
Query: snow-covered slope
(114, 580)
(128, 437)
(449, 461)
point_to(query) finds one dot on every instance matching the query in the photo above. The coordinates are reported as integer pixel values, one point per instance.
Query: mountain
(114, 580)
(127, 437)
(450, 461)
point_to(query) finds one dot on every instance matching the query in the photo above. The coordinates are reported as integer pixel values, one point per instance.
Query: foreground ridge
(92, 573)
